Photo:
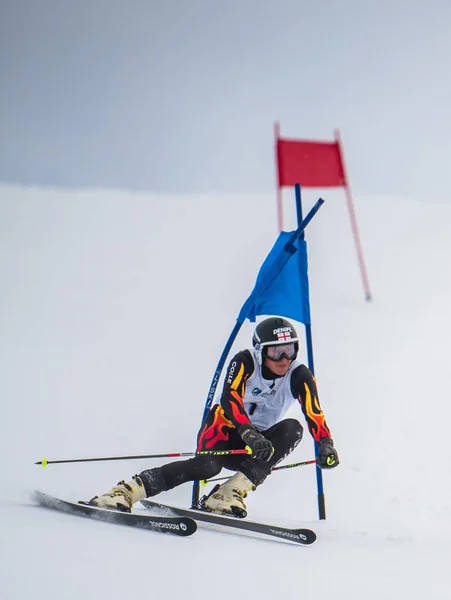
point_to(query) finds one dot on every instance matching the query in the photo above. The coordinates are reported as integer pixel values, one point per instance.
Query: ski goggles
(281, 351)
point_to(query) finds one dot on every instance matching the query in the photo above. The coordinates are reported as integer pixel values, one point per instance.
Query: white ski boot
(228, 498)
(122, 496)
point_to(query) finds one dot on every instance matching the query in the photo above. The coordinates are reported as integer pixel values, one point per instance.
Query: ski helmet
(273, 332)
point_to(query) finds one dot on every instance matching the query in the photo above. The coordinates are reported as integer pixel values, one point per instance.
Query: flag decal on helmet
(284, 336)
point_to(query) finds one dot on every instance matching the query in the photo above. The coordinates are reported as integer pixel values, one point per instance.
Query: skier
(259, 387)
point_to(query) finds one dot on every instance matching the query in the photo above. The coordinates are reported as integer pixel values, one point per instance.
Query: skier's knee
(293, 432)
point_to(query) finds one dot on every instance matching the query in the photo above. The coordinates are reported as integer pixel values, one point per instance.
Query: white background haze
(180, 96)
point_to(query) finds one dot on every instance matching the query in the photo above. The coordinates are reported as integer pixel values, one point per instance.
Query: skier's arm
(240, 368)
(303, 387)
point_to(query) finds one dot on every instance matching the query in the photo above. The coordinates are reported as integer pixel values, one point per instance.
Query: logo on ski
(288, 534)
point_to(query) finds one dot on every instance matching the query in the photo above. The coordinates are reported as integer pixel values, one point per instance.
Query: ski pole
(44, 462)
(299, 464)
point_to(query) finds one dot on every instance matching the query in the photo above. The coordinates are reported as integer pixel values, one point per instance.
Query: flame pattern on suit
(214, 430)
(308, 399)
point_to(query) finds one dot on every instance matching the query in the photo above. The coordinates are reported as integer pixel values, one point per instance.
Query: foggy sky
(182, 95)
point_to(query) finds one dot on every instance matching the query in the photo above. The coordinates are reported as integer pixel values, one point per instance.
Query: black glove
(260, 446)
(327, 456)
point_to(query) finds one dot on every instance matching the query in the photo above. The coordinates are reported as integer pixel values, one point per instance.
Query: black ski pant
(284, 436)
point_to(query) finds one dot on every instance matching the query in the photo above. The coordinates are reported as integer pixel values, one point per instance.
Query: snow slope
(110, 299)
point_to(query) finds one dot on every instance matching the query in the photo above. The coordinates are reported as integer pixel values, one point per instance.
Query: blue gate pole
(311, 366)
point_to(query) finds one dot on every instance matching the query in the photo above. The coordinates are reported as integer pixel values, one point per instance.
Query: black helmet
(272, 332)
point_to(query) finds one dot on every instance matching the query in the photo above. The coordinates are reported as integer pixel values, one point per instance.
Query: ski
(178, 525)
(299, 536)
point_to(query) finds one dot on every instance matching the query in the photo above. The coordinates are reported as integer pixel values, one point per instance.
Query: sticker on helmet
(284, 336)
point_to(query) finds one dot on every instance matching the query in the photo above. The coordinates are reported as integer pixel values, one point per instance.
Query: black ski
(178, 525)
(298, 536)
